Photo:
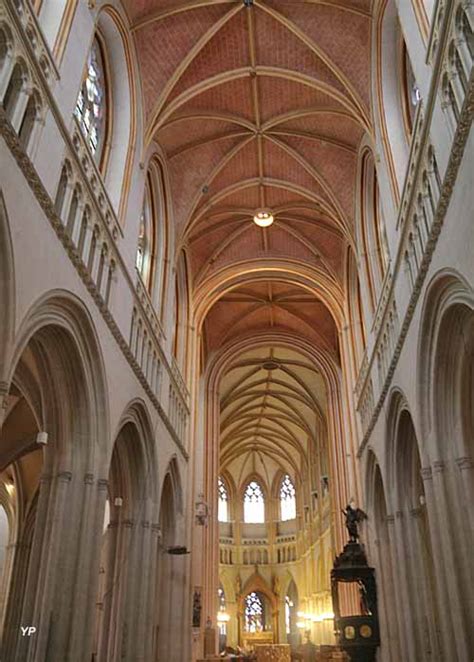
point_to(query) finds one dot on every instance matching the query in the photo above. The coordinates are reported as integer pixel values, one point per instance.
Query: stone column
(80, 640)
(386, 601)
(110, 565)
(41, 647)
(434, 530)
(454, 609)
(408, 638)
(151, 594)
(465, 466)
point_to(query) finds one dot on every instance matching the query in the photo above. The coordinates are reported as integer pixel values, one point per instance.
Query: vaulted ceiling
(259, 103)
(271, 400)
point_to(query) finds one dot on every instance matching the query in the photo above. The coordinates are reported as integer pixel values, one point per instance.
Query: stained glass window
(144, 256)
(91, 106)
(412, 91)
(254, 613)
(222, 509)
(254, 504)
(287, 499)
(288, 609)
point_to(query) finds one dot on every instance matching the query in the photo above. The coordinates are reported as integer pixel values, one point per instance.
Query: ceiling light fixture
(263, 218)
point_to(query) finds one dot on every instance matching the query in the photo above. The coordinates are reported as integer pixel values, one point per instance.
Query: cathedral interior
(236, 330)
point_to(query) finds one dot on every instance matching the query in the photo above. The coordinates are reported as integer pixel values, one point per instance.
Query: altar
(272, 653)
(252, 639)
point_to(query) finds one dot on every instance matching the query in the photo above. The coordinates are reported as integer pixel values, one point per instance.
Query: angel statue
(353, 517)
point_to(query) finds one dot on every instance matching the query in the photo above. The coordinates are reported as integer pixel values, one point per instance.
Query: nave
(236, 330)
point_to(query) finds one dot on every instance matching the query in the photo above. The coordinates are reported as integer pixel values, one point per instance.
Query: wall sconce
(201, 510)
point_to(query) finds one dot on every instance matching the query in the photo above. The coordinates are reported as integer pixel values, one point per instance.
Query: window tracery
(287, 499)
(254, 504)
(223, 501)
(91, 105)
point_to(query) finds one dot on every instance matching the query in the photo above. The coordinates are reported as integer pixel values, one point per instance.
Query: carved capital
(64, 476)
(464, 463)
(89, 479)
(438, 466)
(426, 473)
(103, 484)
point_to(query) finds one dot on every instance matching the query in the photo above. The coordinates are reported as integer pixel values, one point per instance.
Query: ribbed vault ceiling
(260, 106)
(270, 401)
(257, 106)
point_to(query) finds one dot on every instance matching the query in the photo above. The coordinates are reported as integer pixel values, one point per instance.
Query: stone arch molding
(64, 329)
(125, 117)
(7, 292)
(447, 292)
(174, 474)
(398, 407)
(137, 416)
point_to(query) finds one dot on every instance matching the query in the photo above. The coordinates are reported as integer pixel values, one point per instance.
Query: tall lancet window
(254, 504)
(145, 249)
(412, 94)
(91, 107)
(223, 503)
(287, 499)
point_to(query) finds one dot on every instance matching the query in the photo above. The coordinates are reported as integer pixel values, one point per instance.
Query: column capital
(128, 523)
(464, 462)
(438, 466)
(399, 514)
(415, 512)
(88, 479)
(426, 473)
(103, 484)
(64, 476)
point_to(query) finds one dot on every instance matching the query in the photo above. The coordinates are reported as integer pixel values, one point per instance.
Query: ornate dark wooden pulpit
(357, 633)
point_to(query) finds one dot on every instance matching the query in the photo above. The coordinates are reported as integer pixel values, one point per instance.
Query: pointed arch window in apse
(254, 504)
(223, 503)
(287, 499)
